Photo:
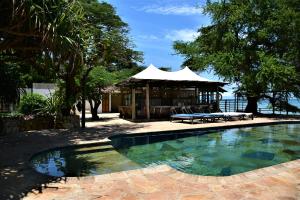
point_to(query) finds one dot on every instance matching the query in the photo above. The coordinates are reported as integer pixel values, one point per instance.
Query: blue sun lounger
(230, 115)
(182, 117)
(200, 116)
(208, 116)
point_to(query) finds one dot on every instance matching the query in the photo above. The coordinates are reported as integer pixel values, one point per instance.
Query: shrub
(52, 105)
(11, 114)
(32, 103)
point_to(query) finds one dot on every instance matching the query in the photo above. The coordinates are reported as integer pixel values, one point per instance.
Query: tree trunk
(83, 104)
(83, 85)
(66, 107)
(94, 109)
(94, 113)
(252, 105)
(273, 103)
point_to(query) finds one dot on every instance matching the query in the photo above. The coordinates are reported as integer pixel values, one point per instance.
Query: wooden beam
(133, 113)
(218, 99)
(217, 96)
(147, 101)
(109, 102)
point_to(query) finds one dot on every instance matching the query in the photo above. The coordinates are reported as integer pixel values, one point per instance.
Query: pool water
(213, 153)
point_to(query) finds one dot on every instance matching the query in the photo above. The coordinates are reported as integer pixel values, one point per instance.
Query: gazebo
(153, 92)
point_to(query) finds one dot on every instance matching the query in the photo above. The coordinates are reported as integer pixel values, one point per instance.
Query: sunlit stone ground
(19, 180)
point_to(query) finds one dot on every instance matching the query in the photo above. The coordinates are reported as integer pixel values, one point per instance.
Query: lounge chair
(205, 116)
(248, 115)
(183, 116)
(230, 115)
(201, 116)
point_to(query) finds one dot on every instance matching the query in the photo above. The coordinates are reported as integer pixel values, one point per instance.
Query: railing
(280, 112)
(232, 105)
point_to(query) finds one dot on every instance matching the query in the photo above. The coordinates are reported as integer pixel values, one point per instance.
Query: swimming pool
(213, 153)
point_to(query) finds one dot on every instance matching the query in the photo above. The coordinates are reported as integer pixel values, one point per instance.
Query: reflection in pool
(214, 153)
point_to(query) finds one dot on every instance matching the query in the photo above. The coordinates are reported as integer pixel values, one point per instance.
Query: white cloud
(183, 34)
(173, 10)
(148, 37)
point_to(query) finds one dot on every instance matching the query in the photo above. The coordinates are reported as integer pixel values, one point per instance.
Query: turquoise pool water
(214, 153)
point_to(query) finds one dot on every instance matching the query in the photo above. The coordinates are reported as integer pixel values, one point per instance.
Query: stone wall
(10, 125)
(37, 123)
(69, 122)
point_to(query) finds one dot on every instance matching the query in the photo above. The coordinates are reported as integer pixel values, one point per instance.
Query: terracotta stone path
(276, 182)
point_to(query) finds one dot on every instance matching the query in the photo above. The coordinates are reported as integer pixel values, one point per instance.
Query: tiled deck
(275, 182)
(17, 179)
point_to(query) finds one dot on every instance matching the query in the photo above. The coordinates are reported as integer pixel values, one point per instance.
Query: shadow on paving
(18, 178)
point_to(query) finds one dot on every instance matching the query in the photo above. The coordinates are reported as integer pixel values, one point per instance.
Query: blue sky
(156, 24)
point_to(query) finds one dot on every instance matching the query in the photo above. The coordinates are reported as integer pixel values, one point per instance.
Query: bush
(11, 114)
(52, 105)
(32, 103)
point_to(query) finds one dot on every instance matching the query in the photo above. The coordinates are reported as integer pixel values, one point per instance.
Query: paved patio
(18, 180)
(276, 182)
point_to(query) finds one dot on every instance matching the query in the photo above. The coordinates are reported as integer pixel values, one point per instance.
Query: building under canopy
(153, 92)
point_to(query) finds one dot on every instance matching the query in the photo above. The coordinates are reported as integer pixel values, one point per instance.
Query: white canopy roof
(153, 73)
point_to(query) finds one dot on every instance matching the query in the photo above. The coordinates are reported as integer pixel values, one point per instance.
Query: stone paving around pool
(18, 180)
(162, 182)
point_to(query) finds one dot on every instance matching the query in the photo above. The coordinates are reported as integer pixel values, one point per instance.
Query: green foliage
(107, 43)
(282, 105)
(52, 105)
(98, 81)
(98, 78)
(12, 114)
(38, 25)
(9, 80)
(252, 43)
(45, 35)
(62, 40)
(167, 69)
(31, 103)
(124, 74)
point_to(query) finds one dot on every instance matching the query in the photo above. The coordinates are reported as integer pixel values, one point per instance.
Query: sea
(264, 106)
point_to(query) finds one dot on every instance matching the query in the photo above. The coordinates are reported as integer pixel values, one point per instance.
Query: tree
(97, 82)
(98, 79)
(47, 35)
(107, 45)
(66, 39)
(9, 80)
(253, 43)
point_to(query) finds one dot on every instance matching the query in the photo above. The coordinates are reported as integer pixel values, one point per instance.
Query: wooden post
(147, 101)
(207, 97)
(122, 97)
(109, 102)
(273, 104)
(133, 113)
(235, 107)
(237, 102)
(196, 95)
(217, 99)
(211, 96)
(287, 102)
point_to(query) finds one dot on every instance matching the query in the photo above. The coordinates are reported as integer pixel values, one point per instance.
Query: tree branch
(20, 34)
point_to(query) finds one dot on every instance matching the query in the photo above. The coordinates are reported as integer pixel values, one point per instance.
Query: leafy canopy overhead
(253, 43)
(65, 39)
